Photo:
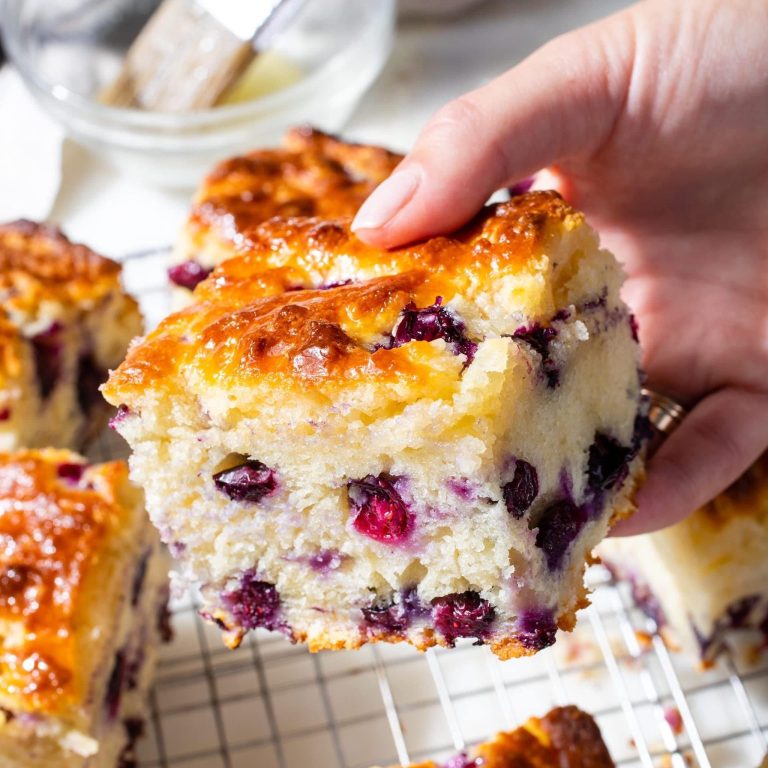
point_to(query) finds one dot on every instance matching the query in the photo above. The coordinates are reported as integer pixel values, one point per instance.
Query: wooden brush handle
(183, 60)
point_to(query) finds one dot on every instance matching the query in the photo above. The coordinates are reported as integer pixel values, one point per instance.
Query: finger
(711, 448)
(560, 102)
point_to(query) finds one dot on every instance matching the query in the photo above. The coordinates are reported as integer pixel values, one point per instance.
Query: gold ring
(664, 413)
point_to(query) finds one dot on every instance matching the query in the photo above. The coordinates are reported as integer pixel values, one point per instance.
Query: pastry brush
(191, 51)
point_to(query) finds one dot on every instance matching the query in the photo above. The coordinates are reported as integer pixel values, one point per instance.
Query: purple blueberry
(395, 616)
(188, 274)
(379, 510)
(430, 323)
(115, 685)
(123, 411)
(539, 337)
(250, 481)
(464, 614)
(138, 577)
(738, 613)
(521, 187)
(559, 525)
(70, 471)
(254, 603)
(536, 628)
(47, 348)
(326, 561)
(164, 625)
(608, 463)
(461, 487)
(646, 601)
(521, 491)
(462, 761)
(90, 376)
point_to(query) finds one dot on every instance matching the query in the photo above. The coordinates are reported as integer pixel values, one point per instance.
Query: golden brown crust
(565, 736)
(52, 529)
(38, 263)
(271, 310)
(314, 174)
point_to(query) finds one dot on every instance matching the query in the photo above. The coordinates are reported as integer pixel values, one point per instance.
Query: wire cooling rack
(273, 705)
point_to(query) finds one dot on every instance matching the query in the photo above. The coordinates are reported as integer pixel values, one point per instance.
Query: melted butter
(269, 72)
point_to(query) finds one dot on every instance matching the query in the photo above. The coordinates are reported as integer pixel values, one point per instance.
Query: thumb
(560, 102)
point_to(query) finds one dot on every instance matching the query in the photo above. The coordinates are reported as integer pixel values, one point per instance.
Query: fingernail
(386, 200)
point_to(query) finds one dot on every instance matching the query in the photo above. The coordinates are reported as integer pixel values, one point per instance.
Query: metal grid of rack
(273, 705)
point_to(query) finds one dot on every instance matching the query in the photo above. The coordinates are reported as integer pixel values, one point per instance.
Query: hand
(655, 123)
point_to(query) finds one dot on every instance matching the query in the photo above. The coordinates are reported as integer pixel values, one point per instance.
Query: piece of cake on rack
(65, 320)
(349, 445)
(706, 577)
(83, 592)
(313, 174)
(565, 736)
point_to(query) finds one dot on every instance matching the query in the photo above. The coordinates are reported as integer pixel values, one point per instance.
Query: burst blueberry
(71, 472)
(395, 616)
(559, 525)
(379, 510)
(539, 338)
(255, 603)
(123, 412)
(47, 349)
(464, 614)
(521, 491)
(249, 481)
(608, 463)
(431, 323)
(188, 274)
(116, 684)
(90, 376)
(536, 628)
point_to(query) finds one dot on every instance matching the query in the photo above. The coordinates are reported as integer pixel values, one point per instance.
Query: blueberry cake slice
(565, 736)
(83, 592)
(707, 576)
(64, 321)
(348, 445)
(313, 174)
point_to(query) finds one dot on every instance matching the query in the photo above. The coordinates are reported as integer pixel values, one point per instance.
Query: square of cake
(65, 320)
(313, 174)
(347, 444)
(706, 577)
(83, 593)
(565, 736)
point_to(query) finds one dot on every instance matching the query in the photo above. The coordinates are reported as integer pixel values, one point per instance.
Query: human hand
(654, 122)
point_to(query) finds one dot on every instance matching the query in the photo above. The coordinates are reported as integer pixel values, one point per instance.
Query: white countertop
(433, 61)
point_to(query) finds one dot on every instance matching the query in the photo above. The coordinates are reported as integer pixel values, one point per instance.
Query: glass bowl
(68, 51)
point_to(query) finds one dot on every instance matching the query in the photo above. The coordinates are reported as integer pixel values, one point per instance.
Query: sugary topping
(38, 262)
(52, 525)
(250, 318)
(314, 174)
